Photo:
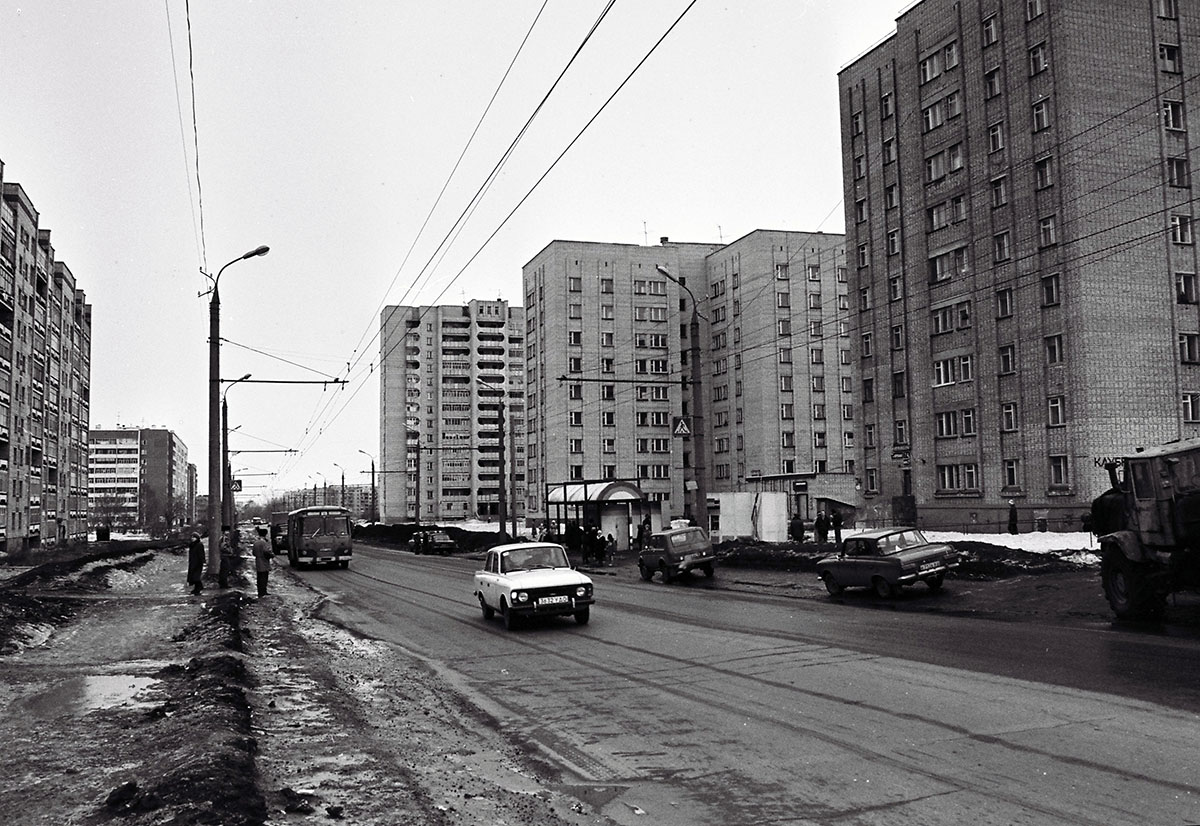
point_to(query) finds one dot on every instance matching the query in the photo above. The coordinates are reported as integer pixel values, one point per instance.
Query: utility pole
(503, 503)
(512, 473)
(374, 502)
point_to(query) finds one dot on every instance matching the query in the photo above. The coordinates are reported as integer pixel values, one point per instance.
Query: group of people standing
(822, 525)
(197, 556)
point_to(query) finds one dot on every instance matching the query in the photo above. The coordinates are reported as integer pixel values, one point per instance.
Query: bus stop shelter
(615, 506)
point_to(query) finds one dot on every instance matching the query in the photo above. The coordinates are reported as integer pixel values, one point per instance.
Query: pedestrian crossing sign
(683, 426)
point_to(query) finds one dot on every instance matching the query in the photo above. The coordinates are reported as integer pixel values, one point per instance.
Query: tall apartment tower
(45, 376)
(452, 397)
(1020, 229)
(607, 338)
(139, 478)
(779, 381)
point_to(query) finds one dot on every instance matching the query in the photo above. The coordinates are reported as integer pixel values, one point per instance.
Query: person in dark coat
(643, 533)
(796, 528)
(836, 522)
(262, 560)
(226, 557)
(821, 526)
(195, 570)
(1012, 516)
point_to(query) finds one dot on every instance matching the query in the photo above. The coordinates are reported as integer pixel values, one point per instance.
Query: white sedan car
(532, 579)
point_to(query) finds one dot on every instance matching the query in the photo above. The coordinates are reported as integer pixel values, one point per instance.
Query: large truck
(1148, 525)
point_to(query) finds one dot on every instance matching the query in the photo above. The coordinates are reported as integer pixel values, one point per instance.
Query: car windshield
(894, 542)
(523, 559)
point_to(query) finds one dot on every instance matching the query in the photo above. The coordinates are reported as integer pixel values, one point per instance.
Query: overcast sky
(326, 130)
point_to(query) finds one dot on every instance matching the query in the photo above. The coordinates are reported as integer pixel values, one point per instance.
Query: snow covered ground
(1078, 547)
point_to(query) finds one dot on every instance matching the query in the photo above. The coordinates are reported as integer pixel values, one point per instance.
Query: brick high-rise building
(139, 478)
(452, 385)
(1021, 247)
(45, 377)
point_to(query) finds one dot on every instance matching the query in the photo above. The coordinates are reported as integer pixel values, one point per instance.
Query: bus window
(314, 525)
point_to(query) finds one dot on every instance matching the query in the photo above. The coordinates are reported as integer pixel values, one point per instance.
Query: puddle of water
(80, 695)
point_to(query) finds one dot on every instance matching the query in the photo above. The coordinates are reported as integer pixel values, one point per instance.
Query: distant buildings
(140, 477)
(452, 397)
(1021, 240)
(45, 377)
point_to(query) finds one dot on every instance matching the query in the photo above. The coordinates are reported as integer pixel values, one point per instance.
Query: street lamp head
(260, 250)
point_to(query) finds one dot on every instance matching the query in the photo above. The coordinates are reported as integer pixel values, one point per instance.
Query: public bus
(319, 535)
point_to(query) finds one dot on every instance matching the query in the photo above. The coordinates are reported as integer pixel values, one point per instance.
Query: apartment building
(1019, 216)
(691, 369)
(139, 477)
(779, 380)
(45, 377)
(452, 410)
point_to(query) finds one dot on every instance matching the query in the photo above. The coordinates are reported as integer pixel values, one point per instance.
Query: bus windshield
(318, 525)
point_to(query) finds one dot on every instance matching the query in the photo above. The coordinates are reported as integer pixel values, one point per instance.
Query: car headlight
(521, 596)
(581, 591)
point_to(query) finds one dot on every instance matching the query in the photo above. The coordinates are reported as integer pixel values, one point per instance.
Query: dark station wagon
(887, 560)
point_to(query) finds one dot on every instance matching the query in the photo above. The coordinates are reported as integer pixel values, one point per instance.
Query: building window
(947, 424)
(575, 445)
(575, 338)
(966, 368)
(818, 384)
(899, 385)
(1001, 247)
(889, 151)
(891, 196)
(931, 116)
(991, 30)
(1060, 476)
(819, 439)
(895, 288)
(1189, 348)
(787, 439)
(968, 421)
(1051, 294)
(869, 435)
(1055, 354)
(931, 67)
(999, 191)
(943, 372)
(606, 286)
(991, 83)
(1004, 303)
(898, 337)
(1168, 9)
(785, 355)
(954, 158)
(606, 338)
(608, 392)
(1191, 407)
(575, 364)
(1056, 411)
(575, 417)
(996, 137)
(860, 210)
(814, 329)
(893, 242)
(1177, 172)
(1043, 170)
(950, 55)
(864, 255)
(935, 167)
(942, 267)
(575, 311)
(1173, 114)
(868, 390)
(1185, 288)
(1037, 59)
(783, 326)
(1041, 115)
(860, 167)
(785, 386)
(575, 392)
(783, 300)
(1168, 57)
(606, 312)
(856, 123)
(787, 411)
(1034, 8)
(814, 301)
(941, 321)
(866, 345)
(1181, 229)
(885, 106)
(816, 356)
(847, 412)
(900, 432)
(1012, 473)
(1047, 231)
(1008, 359)
(1008, 417)
(575, 284)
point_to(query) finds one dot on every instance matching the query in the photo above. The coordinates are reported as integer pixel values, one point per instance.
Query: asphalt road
(691, 704)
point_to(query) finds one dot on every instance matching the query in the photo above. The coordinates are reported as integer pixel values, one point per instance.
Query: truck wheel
(883, 588)
(488, 611)
(647, 573)
(1128, 588)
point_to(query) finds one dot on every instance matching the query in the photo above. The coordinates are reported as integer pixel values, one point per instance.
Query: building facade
(691, 369)
(1020, 217)
(45, 378)
(452, 408)
(139, 478)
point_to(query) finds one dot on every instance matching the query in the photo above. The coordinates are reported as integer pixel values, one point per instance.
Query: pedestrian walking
(836, 522)
(821, 526)
(226, 558)
(1012, 516)
(195, 570)
(643, 533)
(262, 560)
(796, 528)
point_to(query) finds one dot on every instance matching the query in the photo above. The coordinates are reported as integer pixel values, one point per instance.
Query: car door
(485, 580)
(860, 557)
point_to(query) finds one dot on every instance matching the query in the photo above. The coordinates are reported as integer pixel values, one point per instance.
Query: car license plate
(929, 566)
(553, 600)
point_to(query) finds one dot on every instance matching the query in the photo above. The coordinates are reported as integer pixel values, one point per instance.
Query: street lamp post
(700, 494)
(374, 505)
(214, 412)
(342, 497)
